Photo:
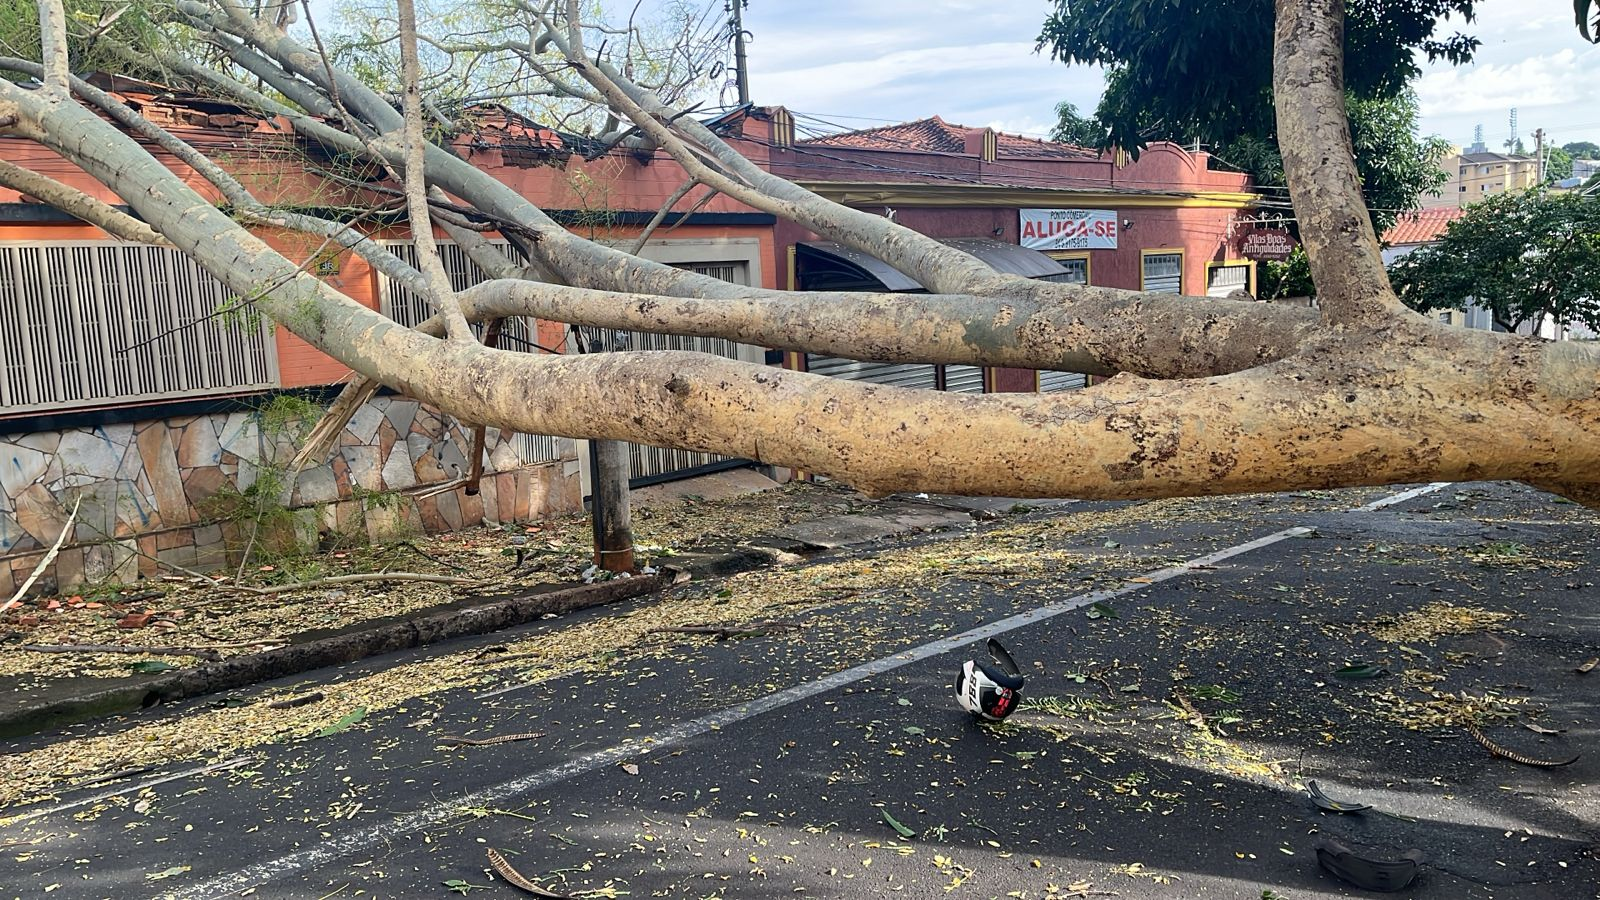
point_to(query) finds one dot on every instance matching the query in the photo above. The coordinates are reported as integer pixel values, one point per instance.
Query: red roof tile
(935, 135)
(1423, 226)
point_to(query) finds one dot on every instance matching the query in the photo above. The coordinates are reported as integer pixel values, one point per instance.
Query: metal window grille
(1077, 271)
(400, 304)
(1227, 279)
(954, 378)
(1163, 273)
(92, 322)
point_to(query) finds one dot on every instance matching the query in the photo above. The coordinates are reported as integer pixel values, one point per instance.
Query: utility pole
(741, 68)
(613, 514)
(610, 505)
(1538, 156)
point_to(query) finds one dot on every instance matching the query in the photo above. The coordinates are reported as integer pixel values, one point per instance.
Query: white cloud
(971, 61)
(1529, 83)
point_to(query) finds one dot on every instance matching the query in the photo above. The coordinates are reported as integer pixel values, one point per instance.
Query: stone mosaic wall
(142, 489)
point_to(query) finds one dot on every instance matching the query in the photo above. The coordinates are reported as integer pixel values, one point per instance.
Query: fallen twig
(1195, 718)
(292, 702)
(484, 742)
(48, 557)
(515, 878)
(435, 489)
(1497, 750)
(114, 776)
(429, 556)
(348, 579)
(723, 632)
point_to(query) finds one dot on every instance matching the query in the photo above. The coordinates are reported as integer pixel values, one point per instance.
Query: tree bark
(1319, 166)
(76, 203)
(1379, 396)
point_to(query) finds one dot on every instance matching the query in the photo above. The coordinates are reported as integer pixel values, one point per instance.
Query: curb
(375, 638)
(379, 636)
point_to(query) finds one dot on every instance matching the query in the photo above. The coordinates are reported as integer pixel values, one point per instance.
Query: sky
(857, 63)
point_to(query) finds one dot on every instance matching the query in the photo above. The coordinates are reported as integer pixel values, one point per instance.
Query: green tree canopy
(1397, 166)
(1208, 79)
(1171, 72)
(1557, 165)
(1583, 149)
(1079, 130)
(1521, 255)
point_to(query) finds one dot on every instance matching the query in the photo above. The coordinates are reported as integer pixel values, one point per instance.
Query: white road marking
(351, 843)
(1403, 496)
(135, 786)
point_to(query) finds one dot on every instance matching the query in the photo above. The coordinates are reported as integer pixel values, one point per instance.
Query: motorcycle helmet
(990, 692)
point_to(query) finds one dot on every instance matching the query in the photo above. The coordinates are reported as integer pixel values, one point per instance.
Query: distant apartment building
(1477, 174)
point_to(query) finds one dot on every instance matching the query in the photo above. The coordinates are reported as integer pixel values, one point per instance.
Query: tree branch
(1166, 337)
(1268, 428)
(53, 48)
(936, 266)
(416, 183)
(76, 203)
(661, 215)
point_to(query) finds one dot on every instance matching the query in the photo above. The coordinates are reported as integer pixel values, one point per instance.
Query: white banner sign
(1069, 229)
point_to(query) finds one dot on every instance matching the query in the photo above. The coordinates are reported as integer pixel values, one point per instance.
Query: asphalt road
(764, 766)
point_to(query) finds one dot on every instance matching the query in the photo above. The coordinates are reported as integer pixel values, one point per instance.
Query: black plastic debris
(1369, 874)
(1323, 801)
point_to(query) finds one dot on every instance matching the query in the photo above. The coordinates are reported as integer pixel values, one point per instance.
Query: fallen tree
(1209, 396)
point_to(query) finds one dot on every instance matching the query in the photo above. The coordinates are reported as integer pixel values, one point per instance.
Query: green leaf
(912, 729)
(903, 701)
(1100, 610)
(1360, 671)
(175, 870)
(344, 722)
(1025, 754)
(894, 823)
(145, 666)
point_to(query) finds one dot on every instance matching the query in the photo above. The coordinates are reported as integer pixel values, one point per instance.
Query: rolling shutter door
(909, 375)
(1077, 273)
(1061, 381)
(963, 379)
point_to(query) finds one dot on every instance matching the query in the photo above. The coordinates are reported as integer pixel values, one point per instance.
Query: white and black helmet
(990, 692)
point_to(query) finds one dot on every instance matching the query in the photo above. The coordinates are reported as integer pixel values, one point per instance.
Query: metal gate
(87, 323)
(651, 464)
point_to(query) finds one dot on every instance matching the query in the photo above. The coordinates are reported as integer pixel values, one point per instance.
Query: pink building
(1163, 222)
